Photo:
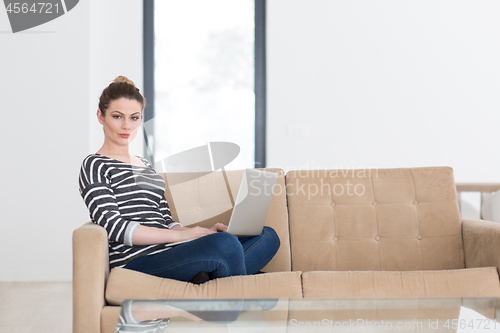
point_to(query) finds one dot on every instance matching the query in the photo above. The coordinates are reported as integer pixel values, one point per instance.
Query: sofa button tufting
(415, 202)
(419, 237)
(335, 239)
(374, 204)
(198, 208)
(377, 238)
(332, 204)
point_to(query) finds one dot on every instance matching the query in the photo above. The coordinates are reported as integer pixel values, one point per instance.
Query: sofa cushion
(127, 284)
(374, 219)
(202, 198)
(471, 282)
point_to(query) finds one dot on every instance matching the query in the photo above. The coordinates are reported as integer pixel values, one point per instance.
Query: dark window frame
(260, 83)
(149, 74)
(260, 79)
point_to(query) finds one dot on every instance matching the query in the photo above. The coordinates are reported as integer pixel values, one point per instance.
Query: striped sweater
(120, 197)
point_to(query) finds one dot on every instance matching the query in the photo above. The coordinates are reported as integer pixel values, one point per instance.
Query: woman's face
(122, 120)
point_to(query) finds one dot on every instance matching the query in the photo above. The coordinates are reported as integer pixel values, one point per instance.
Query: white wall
(384, 84)
(50, 82)
(116, 29)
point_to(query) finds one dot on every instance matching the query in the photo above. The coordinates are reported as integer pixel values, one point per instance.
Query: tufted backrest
(204, 199)
(374, 219)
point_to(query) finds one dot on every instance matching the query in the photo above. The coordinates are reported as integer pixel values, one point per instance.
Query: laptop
(251, 205)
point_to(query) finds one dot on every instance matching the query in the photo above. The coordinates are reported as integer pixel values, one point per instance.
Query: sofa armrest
(90, 272)
(481, 243)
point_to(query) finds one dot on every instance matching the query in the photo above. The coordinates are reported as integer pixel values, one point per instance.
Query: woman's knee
(225, 244)
(272, 237)
(226, 250)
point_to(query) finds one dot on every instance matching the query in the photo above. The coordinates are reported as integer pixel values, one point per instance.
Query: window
(203, 76)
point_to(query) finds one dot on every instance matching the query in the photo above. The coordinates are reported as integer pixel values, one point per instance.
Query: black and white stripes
(120, 197)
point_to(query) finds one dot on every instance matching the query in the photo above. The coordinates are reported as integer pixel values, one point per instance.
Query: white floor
(35, 307)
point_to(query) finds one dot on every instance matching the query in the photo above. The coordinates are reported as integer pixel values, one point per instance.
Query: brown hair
(121, 87)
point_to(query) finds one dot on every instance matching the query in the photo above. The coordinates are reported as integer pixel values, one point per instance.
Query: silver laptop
(252, 202)
(251, 205)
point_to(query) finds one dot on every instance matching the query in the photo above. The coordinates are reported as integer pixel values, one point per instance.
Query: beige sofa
(344, 233)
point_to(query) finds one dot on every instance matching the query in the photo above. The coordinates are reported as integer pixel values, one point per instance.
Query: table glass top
(311, 315)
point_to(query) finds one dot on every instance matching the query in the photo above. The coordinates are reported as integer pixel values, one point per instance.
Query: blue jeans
(220, 254)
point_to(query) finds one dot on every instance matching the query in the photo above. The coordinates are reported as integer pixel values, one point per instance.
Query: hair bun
(123, 79)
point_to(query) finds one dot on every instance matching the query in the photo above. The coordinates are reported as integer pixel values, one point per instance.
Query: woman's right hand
(195, 232)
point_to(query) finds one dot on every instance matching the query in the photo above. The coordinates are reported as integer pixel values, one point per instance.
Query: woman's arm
(101, 203)
(216, 227)
(147, 236)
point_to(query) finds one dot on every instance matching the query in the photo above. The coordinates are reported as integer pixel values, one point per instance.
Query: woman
(126, 196)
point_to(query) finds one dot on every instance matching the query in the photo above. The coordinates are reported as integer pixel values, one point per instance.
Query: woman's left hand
(219, 227)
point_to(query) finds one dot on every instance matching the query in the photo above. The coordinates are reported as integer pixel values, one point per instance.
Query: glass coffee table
(311, 315)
